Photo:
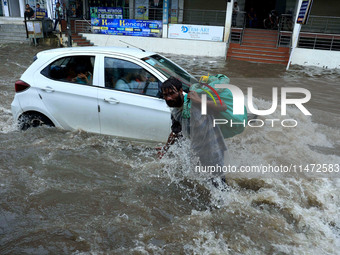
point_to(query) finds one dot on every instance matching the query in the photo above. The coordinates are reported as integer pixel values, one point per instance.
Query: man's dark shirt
(29, 12)
(176, 126)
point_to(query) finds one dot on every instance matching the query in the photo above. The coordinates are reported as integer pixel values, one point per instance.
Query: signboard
(105, 13)
(174, 11)
(131, 27)
(142, 9)
(166, 11)
(306, 6)
(34, 29)
(196, 32)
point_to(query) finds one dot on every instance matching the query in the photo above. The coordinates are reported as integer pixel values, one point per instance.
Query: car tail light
(21, 86)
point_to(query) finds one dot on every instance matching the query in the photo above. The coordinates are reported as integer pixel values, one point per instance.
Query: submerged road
(64, 192)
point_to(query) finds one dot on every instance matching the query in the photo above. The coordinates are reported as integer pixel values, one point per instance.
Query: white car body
(94, 108)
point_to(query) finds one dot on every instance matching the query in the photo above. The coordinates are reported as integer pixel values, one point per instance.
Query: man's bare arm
(173, 137)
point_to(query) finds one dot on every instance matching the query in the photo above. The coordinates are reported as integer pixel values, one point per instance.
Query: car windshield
(169, 69)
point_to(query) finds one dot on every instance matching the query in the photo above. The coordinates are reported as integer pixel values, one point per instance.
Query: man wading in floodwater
(207, 142)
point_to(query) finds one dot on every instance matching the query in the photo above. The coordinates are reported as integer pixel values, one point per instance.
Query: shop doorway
(261, 8)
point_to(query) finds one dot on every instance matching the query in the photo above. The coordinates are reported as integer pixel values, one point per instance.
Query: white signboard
(30, 26)
(196, 32)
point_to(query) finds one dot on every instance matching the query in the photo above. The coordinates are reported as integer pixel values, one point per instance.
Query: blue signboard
(131, 27)
(306, 6)
(166, 11)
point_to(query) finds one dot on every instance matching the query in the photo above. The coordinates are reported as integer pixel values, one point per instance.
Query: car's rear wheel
(29, 120)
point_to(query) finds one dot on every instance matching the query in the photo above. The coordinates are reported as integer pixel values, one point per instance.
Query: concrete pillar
(295, 34)
(22, 7)
(180, 11)
(49, 8)
(228, 18)
(132, 7)
(5, 7)
(297, 27)
(85, 7)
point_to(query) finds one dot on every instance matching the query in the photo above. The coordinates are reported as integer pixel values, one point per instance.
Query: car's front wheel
(29, 120)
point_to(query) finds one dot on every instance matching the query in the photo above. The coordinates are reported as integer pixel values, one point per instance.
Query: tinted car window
(75, 69)
(127, 76)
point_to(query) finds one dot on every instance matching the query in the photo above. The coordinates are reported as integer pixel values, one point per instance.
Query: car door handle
(111, 100)
(48, 89)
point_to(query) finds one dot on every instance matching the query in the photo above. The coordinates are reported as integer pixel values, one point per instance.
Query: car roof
(138, 53)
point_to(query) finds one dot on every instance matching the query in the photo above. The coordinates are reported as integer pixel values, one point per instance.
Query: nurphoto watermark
(239, 102)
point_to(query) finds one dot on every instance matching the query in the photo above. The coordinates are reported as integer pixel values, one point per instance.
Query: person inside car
(71, 73)
(141, 82)
(83, 76)
(125, 83)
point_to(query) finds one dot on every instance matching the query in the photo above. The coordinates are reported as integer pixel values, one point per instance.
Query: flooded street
(72, 192)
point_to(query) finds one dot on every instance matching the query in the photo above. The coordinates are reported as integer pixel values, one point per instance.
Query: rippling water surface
(64, 192)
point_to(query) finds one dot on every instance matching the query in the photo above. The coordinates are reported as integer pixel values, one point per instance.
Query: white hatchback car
(106, 90)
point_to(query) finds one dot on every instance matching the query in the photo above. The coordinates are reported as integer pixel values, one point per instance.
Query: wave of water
(293, 215)
(258, 215)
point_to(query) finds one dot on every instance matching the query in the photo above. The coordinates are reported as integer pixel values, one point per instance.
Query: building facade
(313, 43)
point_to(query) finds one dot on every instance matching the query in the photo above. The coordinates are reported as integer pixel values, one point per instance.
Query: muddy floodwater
(72, 192)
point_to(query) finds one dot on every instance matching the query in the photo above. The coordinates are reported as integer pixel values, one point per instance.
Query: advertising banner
(174, 11)
(106, 13)
(142, 9)
(166, 11)
(131, 27)
(196, 32)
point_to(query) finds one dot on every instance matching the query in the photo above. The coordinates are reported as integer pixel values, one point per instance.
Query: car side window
(127, 76)
(74, 69)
